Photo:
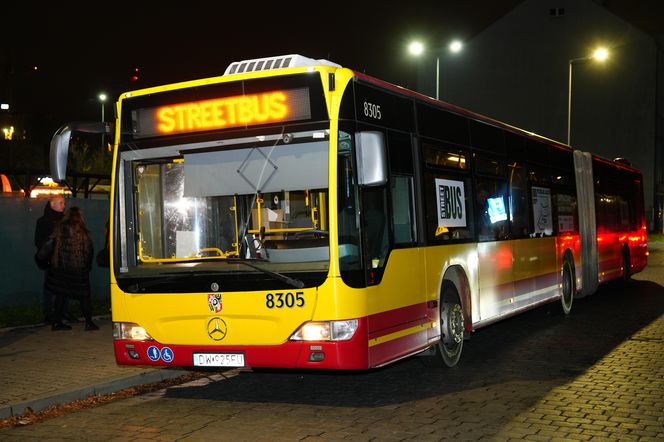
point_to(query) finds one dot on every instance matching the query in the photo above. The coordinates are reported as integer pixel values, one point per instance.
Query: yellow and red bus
(293, 213)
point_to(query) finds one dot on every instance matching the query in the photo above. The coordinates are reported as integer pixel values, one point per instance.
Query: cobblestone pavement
(39, 367)
(597, 374)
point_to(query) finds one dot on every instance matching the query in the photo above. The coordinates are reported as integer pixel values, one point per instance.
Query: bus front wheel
(452, 325)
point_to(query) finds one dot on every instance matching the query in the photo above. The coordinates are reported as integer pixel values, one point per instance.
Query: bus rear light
(130, 331)
(326, 331)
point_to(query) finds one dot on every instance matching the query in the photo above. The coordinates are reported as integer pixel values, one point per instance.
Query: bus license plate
(218, 360)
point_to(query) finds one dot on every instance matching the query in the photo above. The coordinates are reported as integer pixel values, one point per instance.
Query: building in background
(517, 71)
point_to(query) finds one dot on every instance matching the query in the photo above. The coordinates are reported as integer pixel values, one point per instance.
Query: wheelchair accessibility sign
(165, 354)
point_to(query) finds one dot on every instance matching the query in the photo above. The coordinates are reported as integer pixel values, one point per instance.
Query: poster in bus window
(496, 209)
(565, 213)
(624, 212)
(542, 215)
(450, 203)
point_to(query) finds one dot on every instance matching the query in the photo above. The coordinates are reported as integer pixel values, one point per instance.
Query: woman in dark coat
(69, 271)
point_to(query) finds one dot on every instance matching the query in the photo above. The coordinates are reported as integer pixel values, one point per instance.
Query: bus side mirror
(60, 145)
(371, 158)
(59, 153)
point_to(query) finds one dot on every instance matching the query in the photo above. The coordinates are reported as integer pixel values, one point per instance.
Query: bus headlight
(129, 330)
(326, 331)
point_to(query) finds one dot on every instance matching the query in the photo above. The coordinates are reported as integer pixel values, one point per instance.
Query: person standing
(68, 274)
(53, 213)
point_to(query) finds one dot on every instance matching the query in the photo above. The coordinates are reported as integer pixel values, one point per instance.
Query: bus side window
(565, 211)
(492, 208)
(350, 263)
(491, 197)
(402, 208)
(518, 182)
(375, 227)
(401, 187)
(519, 219)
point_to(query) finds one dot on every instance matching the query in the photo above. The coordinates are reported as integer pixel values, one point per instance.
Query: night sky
(80, 51)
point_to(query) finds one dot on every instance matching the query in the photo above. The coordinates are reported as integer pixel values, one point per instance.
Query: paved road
(39, 368)
(595, 375)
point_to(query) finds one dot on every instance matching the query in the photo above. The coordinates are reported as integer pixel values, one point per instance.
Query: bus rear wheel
(452, 326)
(568, 287)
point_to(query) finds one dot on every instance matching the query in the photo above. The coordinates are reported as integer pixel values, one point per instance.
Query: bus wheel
(568, 287)
(452, 325)
(626, 262)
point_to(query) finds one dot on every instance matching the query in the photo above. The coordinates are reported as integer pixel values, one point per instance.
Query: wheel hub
(455, 325)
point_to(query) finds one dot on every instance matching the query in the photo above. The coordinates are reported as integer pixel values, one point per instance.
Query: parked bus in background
(293, 213)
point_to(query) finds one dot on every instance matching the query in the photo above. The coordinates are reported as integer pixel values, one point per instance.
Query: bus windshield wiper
(167, 277)
(175, 276)
(278, 276)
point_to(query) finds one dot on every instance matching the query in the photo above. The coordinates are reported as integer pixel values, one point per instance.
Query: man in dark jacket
(53, 213)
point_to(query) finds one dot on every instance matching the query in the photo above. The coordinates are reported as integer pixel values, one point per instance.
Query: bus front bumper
(350, 355)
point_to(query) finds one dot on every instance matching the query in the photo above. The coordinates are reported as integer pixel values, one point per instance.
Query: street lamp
(600, 54)
(102, 98)
(416, 48)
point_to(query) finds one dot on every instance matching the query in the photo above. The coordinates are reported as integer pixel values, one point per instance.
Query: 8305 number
(281, 300)
(372, 110)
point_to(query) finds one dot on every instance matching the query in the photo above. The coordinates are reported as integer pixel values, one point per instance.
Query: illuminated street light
(417, 48)
(102, 98)
(600, 55)
(456, 46)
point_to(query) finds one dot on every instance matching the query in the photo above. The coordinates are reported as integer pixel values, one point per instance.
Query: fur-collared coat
(63, 278)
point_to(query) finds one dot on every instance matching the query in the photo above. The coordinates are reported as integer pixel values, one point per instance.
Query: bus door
(494, 249)
(394, 264)
(533, 244)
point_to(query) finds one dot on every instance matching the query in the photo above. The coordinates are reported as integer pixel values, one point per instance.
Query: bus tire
(568, 288)
(627, 264)
(452, 325)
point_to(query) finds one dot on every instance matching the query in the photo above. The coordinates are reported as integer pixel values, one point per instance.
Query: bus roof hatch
(281, 61)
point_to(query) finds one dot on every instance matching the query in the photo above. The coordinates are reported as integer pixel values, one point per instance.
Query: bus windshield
(265, 201)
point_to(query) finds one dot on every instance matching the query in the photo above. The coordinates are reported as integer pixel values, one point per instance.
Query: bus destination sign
(223, 113)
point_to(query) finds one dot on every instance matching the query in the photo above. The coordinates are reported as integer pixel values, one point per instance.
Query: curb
(112, 386)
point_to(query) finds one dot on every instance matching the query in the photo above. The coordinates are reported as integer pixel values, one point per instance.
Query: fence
(20, 279)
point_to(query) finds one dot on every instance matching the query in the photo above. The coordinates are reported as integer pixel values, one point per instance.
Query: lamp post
(600, 54)
(416, 48)
(102, 98)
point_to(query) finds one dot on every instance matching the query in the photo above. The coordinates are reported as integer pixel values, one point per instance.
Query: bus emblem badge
(214, 302)
(216, 328)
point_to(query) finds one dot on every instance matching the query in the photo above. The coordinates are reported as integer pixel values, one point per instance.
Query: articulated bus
(293, 213)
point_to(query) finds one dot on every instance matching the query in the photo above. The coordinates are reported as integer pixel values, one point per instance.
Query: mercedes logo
(214, 286)
(216, 328)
